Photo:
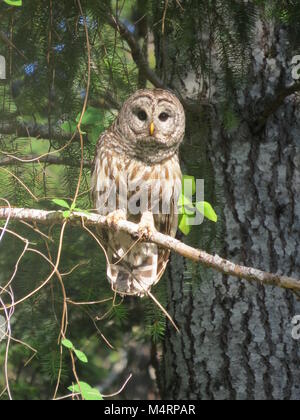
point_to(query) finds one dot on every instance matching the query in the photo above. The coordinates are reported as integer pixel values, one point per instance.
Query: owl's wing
(103, 185)
(166, 224)
(131, 265)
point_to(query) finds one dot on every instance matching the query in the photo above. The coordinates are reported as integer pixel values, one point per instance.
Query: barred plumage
(137, 170)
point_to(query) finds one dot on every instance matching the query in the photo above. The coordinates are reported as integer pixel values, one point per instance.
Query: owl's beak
(152, 128)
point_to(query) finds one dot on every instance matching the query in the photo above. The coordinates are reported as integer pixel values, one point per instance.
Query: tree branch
(8, 42)
(53, 160)
(211, 261)
(37, 131)
(143, 65)
(136, 51)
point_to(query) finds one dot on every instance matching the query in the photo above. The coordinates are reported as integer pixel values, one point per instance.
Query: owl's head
(152, 121)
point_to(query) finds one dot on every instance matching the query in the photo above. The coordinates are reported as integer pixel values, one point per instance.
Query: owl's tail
(138, 271)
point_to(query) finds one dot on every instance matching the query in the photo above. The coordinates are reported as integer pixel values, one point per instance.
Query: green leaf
(88, 393)
(186, 206)
(188, 186)
(93, 395)
(67, 214)
(206, 209)
(17, 3)
(67, 344)
(81, 356)
(61, 203)
(184, 225)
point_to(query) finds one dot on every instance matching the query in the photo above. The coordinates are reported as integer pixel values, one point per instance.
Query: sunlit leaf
(17, 3)
(81, 356)
(61, 203)
(186, 206)
(67, 214)
(88, 393)
(67, 344)
(207, 210)
(184, 225)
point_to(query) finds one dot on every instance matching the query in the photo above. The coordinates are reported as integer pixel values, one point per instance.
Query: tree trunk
(236, 340)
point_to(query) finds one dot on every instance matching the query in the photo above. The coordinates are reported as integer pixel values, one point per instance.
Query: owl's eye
(163, 116)
(142, 116)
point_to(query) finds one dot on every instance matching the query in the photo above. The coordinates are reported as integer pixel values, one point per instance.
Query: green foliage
(188, 208)
(17, 3)
(93, 123)
(79, 354)
(206, 209)
(68, 344)
(88, 393)
(61, 203)
(155, 320)
(82, 388)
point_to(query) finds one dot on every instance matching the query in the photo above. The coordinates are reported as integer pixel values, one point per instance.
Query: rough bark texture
(236, 340)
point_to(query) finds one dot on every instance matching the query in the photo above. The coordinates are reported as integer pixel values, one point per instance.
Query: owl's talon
(114, 218)
(146, 231)
(146, 226)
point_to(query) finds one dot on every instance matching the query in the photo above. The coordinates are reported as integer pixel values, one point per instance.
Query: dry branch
(141, 61)
(211, 261)
(20, 129)
(136, 51)
(53, 160)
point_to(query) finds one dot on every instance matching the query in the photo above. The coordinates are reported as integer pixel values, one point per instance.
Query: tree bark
(236, 340)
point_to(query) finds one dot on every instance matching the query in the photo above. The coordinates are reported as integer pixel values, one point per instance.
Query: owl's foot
(146, 225)
(114, 218)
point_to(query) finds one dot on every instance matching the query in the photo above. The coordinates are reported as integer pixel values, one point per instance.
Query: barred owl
(136, 175)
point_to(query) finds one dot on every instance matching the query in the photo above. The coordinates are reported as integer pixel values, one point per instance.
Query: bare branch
(193, 106)
(105, 101)
(38, 131)
(211, 261)
(136, 51)
(53, 160)
(8, 42)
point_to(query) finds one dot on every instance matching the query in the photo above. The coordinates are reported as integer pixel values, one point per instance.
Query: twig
(120, 390)
(53, 160)
(136, 51)
(20, 129)
(193, 106)
(55, 269)
(7, 41)
(88, 46)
